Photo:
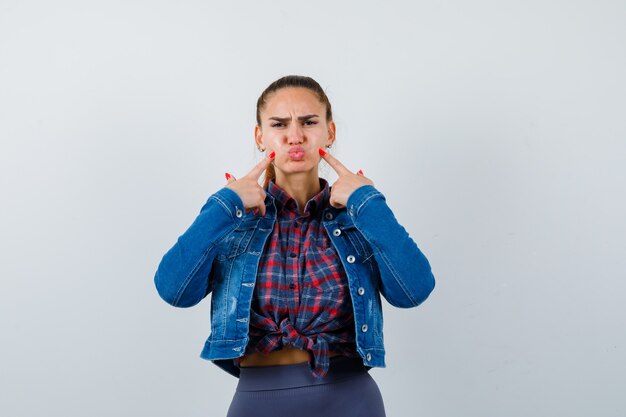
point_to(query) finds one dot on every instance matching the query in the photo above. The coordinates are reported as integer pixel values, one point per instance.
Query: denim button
(239, 213)
(329, 216)
(351, 259)
(368, 357)
(361, 290)
(337, 232)
(351, 211)
(364, 328)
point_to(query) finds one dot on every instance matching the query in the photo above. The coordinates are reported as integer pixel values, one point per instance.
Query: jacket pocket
(359, 243)
(237, 242)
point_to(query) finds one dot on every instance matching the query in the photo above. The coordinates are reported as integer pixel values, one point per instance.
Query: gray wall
(495, 129)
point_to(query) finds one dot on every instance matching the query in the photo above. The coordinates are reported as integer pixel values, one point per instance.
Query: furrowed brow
(286, 119)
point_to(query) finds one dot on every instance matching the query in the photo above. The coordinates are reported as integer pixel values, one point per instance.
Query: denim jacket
(219, 253)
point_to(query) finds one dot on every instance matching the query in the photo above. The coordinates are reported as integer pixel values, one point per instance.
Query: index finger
(258, 169)
(339, 168)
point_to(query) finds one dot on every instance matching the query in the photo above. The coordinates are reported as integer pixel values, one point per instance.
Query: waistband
(263, 378)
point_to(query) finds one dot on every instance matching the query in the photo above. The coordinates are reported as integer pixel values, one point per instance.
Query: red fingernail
(227, 176)
(360, 171)
(322, 152)
(273, 154)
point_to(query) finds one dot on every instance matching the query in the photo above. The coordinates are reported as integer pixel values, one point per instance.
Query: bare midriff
(285, 356)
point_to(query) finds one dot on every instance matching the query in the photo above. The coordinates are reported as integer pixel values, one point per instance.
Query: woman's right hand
(247, 187)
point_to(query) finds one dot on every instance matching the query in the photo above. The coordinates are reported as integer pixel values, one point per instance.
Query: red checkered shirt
(301, 297)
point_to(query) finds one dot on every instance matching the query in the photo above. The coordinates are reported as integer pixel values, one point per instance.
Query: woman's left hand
(346, 183)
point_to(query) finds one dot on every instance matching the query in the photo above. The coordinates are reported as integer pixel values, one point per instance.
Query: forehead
(293, 100)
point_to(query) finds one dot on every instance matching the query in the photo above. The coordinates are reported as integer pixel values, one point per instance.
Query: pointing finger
(261, 166)
(334, 163)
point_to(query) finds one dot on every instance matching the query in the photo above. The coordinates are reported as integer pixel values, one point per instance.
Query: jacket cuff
(230, 201)
(360, 197)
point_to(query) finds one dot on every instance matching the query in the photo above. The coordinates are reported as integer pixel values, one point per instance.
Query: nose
(295, 134)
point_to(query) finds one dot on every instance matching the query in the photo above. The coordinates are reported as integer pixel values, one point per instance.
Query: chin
(294, 167)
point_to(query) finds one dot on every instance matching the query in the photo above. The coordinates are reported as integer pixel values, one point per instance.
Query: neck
(302, 186)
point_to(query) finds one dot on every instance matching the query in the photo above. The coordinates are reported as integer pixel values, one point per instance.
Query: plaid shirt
(301, 297)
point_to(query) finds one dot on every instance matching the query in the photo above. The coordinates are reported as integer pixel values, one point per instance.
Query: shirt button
(351, 259)
(293, 254)
(368, 357)
(361, 290)
(292, 286)
(329, 216)
(337, 232)
(364, 328)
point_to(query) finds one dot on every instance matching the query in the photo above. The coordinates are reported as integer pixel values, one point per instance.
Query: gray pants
(348, 390)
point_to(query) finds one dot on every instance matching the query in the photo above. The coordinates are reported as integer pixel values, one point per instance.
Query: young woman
(296, 268)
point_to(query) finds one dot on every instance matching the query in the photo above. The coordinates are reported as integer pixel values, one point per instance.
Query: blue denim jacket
(220, 253)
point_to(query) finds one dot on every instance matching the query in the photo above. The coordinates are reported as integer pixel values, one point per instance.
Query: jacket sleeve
(182, 277)
(406, 276)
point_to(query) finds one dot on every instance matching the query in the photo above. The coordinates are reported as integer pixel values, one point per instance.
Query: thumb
(229, 178)
(334, 203)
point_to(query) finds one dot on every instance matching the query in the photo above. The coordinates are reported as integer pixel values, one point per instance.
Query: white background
(495, 129)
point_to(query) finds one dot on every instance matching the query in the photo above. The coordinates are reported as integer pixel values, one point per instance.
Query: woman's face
(293, 124)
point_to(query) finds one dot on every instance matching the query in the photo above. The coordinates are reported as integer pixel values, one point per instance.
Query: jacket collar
(285, 201)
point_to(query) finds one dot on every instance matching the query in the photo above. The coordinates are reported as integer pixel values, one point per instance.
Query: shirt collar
(284, 200)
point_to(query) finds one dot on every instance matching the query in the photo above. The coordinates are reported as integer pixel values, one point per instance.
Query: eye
(277, 124)
(310, 122)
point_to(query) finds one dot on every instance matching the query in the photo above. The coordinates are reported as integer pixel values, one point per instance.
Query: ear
(258, 135)
(332, 132)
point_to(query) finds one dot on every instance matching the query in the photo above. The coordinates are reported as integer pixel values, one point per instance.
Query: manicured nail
(272, 155)
(360, 172)
(321, 151)
(227, 175)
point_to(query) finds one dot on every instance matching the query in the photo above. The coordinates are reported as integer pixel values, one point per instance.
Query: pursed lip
(296, 149)
(297, 153)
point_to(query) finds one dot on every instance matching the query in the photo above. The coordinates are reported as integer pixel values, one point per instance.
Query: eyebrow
(286, 119)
